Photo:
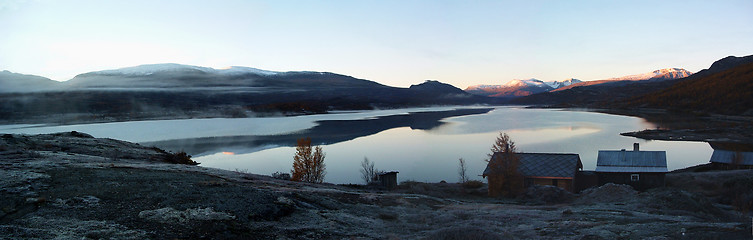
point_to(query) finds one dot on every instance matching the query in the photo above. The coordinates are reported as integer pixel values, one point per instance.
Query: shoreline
(696, 127)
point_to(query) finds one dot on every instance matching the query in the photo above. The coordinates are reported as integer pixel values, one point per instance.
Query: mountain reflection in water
(324, 133)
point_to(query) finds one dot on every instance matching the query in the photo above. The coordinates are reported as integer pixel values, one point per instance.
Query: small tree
(503, 164)
(503, 143)
(308, 162)
(462, 170)
(368, 172)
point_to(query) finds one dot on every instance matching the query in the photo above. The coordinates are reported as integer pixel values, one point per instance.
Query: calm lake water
(420, 148)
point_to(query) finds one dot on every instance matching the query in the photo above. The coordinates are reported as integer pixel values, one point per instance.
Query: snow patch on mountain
(527, 82)
(237, 70)
(149, 69)
(666, 73)
(563, 83)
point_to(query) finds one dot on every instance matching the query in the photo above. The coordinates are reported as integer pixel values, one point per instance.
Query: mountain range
(174, 90)
(520, 88)
(723, 88)
(661, 74)
(177, 91)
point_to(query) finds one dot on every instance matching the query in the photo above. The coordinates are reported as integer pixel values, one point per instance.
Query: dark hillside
(728, 92)
(597, 96)
(727, 96)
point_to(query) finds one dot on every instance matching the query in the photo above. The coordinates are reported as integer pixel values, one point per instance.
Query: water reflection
(324, 132)
(422, 147)
(432, 154)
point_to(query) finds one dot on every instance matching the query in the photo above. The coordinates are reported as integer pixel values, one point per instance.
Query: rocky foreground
(71, 185)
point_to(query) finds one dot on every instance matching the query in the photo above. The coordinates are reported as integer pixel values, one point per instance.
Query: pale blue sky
(396, 43)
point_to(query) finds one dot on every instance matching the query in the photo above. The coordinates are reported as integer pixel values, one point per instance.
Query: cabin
(388, 179)
(728, 156)
(640, 169)
(555, 169)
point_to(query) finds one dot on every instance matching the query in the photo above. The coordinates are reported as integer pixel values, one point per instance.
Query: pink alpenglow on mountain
(661, 74)
(519, 88)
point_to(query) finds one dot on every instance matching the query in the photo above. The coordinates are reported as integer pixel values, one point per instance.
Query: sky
(396, 43)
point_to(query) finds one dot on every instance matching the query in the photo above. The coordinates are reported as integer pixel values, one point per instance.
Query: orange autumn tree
(505, 179)
(308, 162)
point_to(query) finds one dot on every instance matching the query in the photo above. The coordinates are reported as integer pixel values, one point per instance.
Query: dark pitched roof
(726, 152)
(631, 161)
(725, 156)
(563, 165)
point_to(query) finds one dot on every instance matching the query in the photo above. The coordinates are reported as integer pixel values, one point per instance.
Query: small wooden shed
(640, 169)
(388, 179)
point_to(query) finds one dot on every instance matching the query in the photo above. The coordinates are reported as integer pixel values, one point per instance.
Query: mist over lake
(423, 144)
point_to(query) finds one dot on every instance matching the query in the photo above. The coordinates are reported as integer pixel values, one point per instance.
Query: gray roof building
(732, 153)
(632, 161)
(546, 165)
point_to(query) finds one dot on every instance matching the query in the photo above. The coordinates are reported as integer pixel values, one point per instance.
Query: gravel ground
(71, 185)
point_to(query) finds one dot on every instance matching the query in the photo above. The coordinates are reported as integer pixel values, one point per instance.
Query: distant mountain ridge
(726, 89)
(16, 82)
(148, 69)
(661, 74)
(166, 90)
(176, 76)
(708, 90)
(521, 88)
(657, 75)
(518, 87)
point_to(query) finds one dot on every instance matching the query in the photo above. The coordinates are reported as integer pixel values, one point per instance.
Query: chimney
(636, 147)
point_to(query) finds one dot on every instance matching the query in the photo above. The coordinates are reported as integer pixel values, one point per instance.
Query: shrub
(281, 175)
(369, 174)
(473, 184)
(180, 158)
(308, 162)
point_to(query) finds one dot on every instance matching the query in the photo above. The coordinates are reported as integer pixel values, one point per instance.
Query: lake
(423, 146)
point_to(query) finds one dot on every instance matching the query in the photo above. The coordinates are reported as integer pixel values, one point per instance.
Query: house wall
(646, 180)
(389, 180)
(566, 184)
(495, 186)
(727, 166)
(585, 180)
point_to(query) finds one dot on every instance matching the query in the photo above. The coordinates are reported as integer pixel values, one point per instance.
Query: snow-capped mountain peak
(148, 69)
(525, 82)
(666, 73)
(563, 83)
(482, 86)
(519, 87)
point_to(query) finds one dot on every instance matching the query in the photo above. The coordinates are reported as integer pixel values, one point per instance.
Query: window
(634, 177)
